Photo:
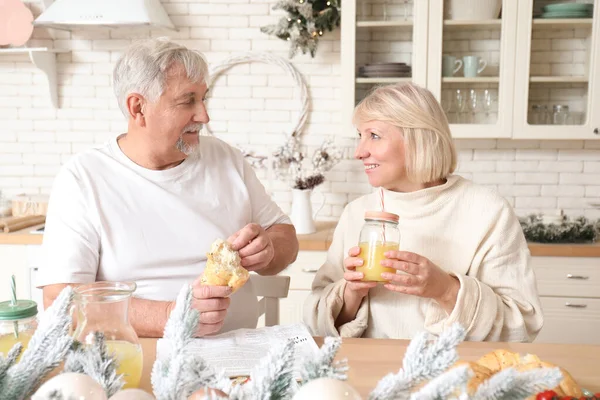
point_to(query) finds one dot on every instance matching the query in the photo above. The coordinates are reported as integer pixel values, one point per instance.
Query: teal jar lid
(22, 309)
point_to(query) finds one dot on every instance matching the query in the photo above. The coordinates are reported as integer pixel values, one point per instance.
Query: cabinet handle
(596, 131)
(575, 305)
(310, 270)
(581, 277)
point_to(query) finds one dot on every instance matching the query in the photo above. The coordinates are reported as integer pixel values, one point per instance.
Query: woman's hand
(421, 278)
(355, 288)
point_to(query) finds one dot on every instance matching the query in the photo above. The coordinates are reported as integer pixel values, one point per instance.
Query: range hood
(70, 14)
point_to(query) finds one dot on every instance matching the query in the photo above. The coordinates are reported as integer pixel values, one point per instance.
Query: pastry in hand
(224, 267)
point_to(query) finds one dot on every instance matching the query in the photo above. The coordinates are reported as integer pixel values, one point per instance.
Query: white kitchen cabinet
(530, 62)
(558, 64)
(464, 98)
(373, 32)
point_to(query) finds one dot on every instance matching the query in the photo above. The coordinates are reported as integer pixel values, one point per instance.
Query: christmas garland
(579, 230)
(305, 23)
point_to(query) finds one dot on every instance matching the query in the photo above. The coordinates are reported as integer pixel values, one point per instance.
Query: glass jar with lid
(378, 235)
(18, 322)
(560, 114)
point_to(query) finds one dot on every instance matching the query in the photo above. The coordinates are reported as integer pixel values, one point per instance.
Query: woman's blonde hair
(429, 149)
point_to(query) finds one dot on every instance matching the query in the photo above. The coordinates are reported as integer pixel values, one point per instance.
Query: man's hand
(212, 303)
(254, 245)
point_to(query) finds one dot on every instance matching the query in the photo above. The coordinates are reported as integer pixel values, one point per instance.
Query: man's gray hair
(143, 69)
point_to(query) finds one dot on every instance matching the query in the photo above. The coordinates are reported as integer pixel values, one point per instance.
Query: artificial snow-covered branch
(181, 373)
(444, 385)
(422, 361)
(323, 365)
(47, 348)
(95, 361)
(510, 384)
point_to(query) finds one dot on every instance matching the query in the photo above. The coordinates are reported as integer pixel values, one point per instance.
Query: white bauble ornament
(132, 394)
(208, 393)
(71, 384)
(326, 389)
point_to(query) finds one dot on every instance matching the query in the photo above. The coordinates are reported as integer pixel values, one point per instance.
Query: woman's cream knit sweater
(465, 229)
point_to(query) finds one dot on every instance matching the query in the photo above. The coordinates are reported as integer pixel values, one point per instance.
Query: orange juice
(372, 257)
(8, 341)
(129, 359)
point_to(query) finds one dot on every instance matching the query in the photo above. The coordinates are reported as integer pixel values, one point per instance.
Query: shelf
(26, 50)
(489, 24)
(551, 23)
(478, 79)
(45, 60)
(384, 24)
(383, 80)
(558, 79)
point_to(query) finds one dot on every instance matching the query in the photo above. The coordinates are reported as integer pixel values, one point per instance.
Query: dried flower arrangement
(289, 163)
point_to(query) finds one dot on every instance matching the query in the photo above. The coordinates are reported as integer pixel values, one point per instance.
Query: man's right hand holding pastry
(212, 302)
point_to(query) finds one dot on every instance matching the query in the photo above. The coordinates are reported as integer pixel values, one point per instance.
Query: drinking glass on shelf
(406, 6)
(487, 102)
(561, 113)
(473, 104)
(386, 9)
(460, 102)
(447, 104)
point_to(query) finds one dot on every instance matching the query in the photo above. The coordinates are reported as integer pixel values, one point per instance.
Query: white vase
(302, 215)
(473, 10)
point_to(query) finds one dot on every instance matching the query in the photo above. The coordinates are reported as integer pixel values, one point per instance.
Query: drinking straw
(13, 303)
(382, 204)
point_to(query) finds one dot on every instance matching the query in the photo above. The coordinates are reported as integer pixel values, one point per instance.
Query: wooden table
(371, 359)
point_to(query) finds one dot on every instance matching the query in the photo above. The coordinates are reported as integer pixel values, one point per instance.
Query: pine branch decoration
(96, 362)
(422, 361)
(305, 23)
(273, 377)
(444, 385)
(578, 230)
(180, 374)
(323, 365)
(510, 384)
(9, 361)
(47, 348)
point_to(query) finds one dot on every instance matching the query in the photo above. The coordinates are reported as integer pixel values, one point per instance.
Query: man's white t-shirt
(111, 219)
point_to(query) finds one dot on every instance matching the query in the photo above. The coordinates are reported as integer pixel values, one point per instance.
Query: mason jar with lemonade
(379, 234)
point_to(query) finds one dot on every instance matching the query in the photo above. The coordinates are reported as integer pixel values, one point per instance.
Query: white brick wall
(252, 105)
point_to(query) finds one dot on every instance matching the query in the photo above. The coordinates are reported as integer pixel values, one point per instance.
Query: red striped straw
(382, 204)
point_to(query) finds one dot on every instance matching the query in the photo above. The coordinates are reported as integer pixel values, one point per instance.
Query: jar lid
(382, 215)
(560, 107)
(23, 309)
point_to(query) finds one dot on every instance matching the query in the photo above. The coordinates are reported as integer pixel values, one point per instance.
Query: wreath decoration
(296, 130)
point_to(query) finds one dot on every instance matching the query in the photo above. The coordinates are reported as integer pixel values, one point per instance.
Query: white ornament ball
(71, 384)
(132, 394)
(326, 389)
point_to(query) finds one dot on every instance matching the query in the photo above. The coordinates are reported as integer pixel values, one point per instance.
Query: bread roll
(224, 267)
(500, 359)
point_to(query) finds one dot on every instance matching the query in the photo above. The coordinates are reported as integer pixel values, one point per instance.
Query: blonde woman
(463, 252)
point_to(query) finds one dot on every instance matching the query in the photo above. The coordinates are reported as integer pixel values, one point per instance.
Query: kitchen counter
(321, 240)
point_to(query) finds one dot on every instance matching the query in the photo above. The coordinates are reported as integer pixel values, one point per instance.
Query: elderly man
(147, 205)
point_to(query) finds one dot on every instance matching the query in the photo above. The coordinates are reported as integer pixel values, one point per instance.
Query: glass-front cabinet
(557, 80)
(526, 69)
(471, 64)
(383, 41)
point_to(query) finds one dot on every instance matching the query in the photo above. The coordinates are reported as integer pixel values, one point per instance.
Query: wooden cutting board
(12, 224)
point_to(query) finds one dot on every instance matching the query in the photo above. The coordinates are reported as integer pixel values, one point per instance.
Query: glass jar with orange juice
(18, 322)
(379, 234)
(104, 307)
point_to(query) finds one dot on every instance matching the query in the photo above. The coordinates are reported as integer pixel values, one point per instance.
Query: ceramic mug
(450, 65)
(473, 66)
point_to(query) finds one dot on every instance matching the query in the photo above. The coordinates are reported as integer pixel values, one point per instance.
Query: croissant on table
(500, 359)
